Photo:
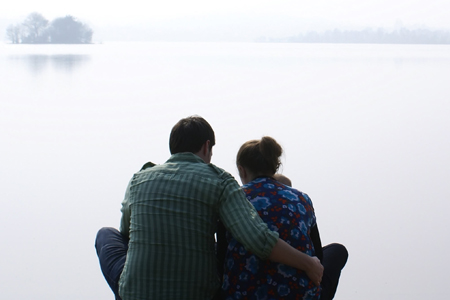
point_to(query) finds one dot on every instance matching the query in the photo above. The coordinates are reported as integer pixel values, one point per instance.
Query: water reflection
(37, 63)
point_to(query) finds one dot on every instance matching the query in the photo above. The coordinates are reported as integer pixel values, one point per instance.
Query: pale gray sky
(430, 12)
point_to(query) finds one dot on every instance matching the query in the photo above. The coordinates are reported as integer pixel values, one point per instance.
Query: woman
(290, 213)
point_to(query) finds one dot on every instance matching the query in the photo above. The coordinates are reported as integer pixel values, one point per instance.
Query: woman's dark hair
(189, 135)
(261, 157)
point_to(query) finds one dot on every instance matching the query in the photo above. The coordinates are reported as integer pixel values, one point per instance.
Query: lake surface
(365, 129)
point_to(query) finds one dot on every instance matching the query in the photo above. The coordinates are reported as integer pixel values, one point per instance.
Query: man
(169, 215)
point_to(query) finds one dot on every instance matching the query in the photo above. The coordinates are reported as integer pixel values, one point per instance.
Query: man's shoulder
(221, 173)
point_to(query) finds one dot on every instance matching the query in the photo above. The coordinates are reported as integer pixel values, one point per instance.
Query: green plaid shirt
(170, 214)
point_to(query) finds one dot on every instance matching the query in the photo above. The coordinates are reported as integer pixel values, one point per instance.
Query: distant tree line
(369, 36)
(36, 29)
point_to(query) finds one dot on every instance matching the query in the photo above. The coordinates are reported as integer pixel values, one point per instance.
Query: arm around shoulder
(284, 253)
(242, 220)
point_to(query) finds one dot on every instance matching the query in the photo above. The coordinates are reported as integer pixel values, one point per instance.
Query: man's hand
(315, 270)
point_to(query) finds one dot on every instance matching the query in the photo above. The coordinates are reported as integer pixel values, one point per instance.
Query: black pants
(112, 249)
(334, 259)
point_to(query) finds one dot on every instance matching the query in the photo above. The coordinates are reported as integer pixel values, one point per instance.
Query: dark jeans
(334, 259)
(111, 248)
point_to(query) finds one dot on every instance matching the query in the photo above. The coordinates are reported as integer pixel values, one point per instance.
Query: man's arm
(242, 220)
(284, 253)
(126, 211)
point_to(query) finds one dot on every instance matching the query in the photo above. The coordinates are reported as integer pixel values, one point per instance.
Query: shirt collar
(185, 156)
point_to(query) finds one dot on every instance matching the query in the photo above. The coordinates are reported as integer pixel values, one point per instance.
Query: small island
(36, 29)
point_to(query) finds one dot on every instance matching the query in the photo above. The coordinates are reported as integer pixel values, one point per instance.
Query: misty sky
(433, 13)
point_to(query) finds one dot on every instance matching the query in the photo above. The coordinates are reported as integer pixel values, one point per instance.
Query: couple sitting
(166, 250)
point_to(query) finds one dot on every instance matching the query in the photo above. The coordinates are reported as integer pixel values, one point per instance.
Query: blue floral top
(290, 213)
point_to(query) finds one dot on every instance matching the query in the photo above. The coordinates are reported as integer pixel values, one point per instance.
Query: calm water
(364, 129)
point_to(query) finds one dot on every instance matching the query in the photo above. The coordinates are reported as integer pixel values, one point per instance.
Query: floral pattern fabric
(290, 213)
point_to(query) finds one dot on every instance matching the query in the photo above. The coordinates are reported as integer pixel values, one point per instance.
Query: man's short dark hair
(190, 134)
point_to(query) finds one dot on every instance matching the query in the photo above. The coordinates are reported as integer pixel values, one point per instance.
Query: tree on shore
(14, 33)
(68, 30)
(36, 29)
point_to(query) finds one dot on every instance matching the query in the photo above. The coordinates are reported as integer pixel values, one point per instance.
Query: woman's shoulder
(269, 188)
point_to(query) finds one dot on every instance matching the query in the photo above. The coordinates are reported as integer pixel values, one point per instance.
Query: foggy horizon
(228, 26)
(221, 30)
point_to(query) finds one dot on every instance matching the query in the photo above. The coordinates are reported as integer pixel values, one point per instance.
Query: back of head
(261, 157)
(190, 134)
